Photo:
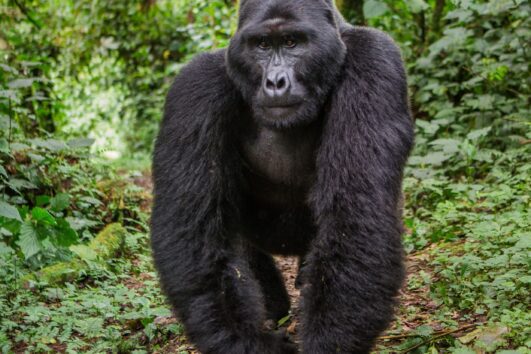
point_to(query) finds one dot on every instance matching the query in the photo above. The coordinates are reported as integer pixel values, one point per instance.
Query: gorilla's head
(285, 58)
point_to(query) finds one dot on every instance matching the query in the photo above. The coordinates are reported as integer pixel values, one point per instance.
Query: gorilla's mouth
(281, 111)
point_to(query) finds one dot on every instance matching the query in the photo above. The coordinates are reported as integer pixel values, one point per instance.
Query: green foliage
(114, 314)
(109, 64)
(83, 81)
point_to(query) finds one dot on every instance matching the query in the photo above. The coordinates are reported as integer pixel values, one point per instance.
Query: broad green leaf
(19, 146)
(5, 249)
(424, 330)
(43, 216)
(18, 184)
(9, 211)
(42, 200)
(65, 235)
(60, 202)
(80, 143)
(28, 241)
(4, 146)
(3, 171)
(11, 94)
(374, 8)
(20, 83)
(80, 223)
(448, 145)
(417, 6)
(84, 252)
(50, 144)
(90, 200)
(8, 69)
(90, 327)
(479, 133)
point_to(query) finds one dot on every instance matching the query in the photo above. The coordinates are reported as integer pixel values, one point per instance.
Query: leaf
(42, 200)
(424, 330)
(434, 158)
(65, 235)
(5, 249)
(43, 216)
(448, 145)
(12, 95)
(4, 146)
(20, 83)
(417, 6)
(479, 133)
(283, 320)
(84, 252)
(50, 144)
(8, 211)
(3, 171)
(28, 242)
(8, 69)
(17, 184)
(90, 327)
(60, 202)
(80, 143)
(80, 223)
(374, 8)
(91, 200)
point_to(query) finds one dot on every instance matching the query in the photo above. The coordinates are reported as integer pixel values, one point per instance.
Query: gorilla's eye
(289, 42)
(263, 43)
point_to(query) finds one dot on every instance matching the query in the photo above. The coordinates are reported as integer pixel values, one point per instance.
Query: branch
(443, 334)
(437, 15)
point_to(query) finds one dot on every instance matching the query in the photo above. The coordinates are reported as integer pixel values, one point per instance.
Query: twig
(443, 334)
(399, 336)
(10, 124)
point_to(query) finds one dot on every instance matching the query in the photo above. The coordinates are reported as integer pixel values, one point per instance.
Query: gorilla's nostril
(270, 85)
(281, 83)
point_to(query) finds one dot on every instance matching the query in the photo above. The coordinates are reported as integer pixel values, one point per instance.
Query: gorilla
(292, 141)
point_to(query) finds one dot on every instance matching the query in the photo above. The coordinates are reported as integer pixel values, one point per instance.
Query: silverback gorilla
(292, 141)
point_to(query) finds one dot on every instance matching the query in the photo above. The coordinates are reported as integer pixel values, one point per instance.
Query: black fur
(216, 218)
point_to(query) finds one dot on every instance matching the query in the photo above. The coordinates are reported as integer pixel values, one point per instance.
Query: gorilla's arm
(355, 265)
(201, 269)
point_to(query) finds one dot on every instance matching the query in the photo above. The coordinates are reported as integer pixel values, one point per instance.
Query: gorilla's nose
(277, 84)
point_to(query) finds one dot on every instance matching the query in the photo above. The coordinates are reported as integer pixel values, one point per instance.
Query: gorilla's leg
(272, 285)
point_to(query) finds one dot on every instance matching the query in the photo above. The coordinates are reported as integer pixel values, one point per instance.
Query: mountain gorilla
(292, 141)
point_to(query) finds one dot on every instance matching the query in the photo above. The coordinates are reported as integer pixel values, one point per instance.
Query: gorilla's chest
(280, 164)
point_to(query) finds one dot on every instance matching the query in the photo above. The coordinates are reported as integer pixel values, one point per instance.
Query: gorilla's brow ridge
(285, 27)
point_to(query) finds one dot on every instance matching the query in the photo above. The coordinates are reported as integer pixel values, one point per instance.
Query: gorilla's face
(285, 58)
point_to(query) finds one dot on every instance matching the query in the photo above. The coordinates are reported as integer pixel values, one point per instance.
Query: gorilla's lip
(273, 105)
(281, 112)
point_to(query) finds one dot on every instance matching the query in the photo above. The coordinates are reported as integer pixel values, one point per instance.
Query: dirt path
(416, 307)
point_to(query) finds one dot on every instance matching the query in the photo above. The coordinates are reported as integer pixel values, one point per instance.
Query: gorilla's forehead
(261, 11)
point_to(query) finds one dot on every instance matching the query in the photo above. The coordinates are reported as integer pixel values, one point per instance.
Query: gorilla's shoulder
(373, 50)
(203, 73)
(369, 40)
(202, 86)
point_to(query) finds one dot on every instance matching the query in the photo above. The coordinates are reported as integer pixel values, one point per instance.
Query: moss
(109, 241)
(106, 245)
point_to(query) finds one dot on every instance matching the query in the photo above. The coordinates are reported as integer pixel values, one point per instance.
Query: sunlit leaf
(374, 8)
(60, 202)
(9, 211)
(28, 241)
(43, 216)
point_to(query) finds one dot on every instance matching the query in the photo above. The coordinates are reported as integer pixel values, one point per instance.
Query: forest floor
(118, 307)
(415, 325)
